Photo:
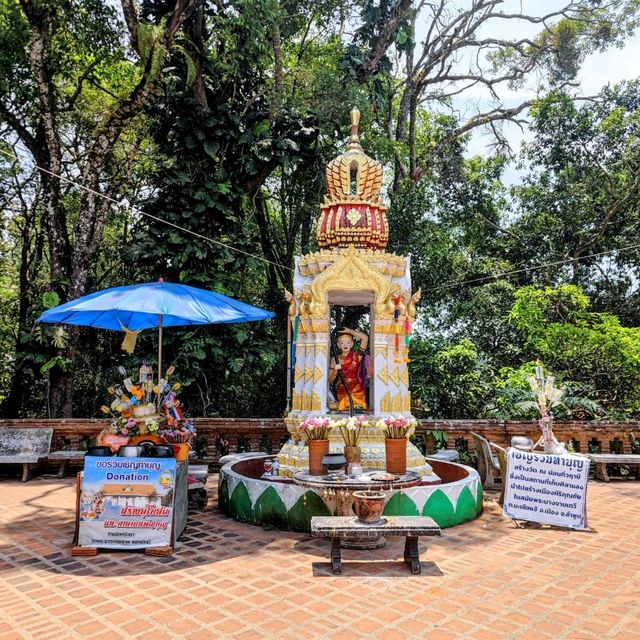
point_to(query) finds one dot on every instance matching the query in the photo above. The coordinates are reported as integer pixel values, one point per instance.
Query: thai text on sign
(546, 488)
(127, 503)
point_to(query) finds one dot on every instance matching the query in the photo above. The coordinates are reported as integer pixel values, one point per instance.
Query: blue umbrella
(152, 304)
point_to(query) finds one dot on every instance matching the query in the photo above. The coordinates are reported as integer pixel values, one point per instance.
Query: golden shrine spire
(352, 213)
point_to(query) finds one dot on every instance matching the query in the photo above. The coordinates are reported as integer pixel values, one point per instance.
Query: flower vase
(318, 449)
(396, 455)
(353, 454)
(180, 451)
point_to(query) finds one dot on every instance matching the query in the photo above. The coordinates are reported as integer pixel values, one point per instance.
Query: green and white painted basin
(284, 505)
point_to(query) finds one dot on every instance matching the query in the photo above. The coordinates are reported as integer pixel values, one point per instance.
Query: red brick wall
(253, 434)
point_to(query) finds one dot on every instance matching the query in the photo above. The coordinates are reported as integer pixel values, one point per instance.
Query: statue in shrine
(355, 370)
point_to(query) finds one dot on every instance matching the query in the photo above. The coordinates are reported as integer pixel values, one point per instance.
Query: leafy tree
(591, 349)
(582, 196)
(70, 88)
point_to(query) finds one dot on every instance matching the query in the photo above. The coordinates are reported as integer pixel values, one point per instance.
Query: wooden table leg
(336, 560)
(411, 555)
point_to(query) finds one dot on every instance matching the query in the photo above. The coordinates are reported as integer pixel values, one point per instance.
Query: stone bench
(601, 461)
(24, 446)
(64, 458)
(346, 528)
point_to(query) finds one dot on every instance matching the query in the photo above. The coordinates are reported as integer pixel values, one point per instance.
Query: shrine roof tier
(352, 212)
(390, 264)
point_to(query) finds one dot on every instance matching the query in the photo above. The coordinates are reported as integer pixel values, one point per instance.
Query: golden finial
(354, 140)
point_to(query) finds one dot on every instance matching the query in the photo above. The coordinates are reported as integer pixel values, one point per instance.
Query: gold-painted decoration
(317, 375)
(316, 402)
(308, 374)
(348, 273)
(353, 183)
(413, 301)
(354, 216)
(298, 374)
(385, 403)
(406, 403)
(384, 375)
(381, 350)
(290, 298)
(322, 349)
(396, 403)
(387, 263)
(394, 376)
(296, 401)
(404, 376)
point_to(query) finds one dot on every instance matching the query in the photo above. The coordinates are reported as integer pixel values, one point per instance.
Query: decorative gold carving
(305, 301)
(404, 376)
(322, 348)
(406, 403)
(384, 375)
(308, 374)
(317, 374)
(354, 217)
(308, 350)
(316, 403)
(348, 273)
(306, 401)
(411, 307)
(396, 403)
(298, 374)
(385, 403)
(381, 350)
(395, 376)
(289, 297)
(296, 401)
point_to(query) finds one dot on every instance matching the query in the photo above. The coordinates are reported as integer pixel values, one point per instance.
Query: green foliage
(451, 380)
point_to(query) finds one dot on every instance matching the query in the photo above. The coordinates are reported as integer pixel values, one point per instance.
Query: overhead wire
(141, 212)
(446, 285)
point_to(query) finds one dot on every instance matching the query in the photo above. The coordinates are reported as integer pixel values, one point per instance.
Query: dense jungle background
(219, 118)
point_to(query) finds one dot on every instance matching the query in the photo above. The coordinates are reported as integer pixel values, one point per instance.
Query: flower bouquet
(316, 430)
(395, 428)
(351, 430)
(396, 432)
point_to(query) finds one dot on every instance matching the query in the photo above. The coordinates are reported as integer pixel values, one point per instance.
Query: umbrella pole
(159, 361)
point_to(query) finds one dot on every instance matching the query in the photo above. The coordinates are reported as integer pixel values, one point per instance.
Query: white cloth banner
(547, 488)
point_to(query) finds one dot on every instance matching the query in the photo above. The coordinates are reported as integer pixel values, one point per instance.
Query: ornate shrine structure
(351, 269)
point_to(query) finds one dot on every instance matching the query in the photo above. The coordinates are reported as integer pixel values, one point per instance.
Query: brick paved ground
(483, 580)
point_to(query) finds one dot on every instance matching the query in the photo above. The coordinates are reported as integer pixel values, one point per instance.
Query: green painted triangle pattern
(466, 507)
(401, 504)
(240, 503)
(309, 505)
(270, 508)
(439, 507)
(223, 496)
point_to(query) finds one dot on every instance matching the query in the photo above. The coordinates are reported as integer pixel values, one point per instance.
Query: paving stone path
(482, 580)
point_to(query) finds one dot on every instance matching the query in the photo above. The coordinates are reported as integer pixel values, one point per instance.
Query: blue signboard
(127, 503)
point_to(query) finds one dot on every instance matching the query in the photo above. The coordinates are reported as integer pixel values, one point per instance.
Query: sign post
(127, 503)
(548, 489)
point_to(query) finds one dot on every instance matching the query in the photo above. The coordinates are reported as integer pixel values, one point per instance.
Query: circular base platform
(280, 503)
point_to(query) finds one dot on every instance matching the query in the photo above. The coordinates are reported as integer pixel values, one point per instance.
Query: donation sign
(547, 488)
(127, 503)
